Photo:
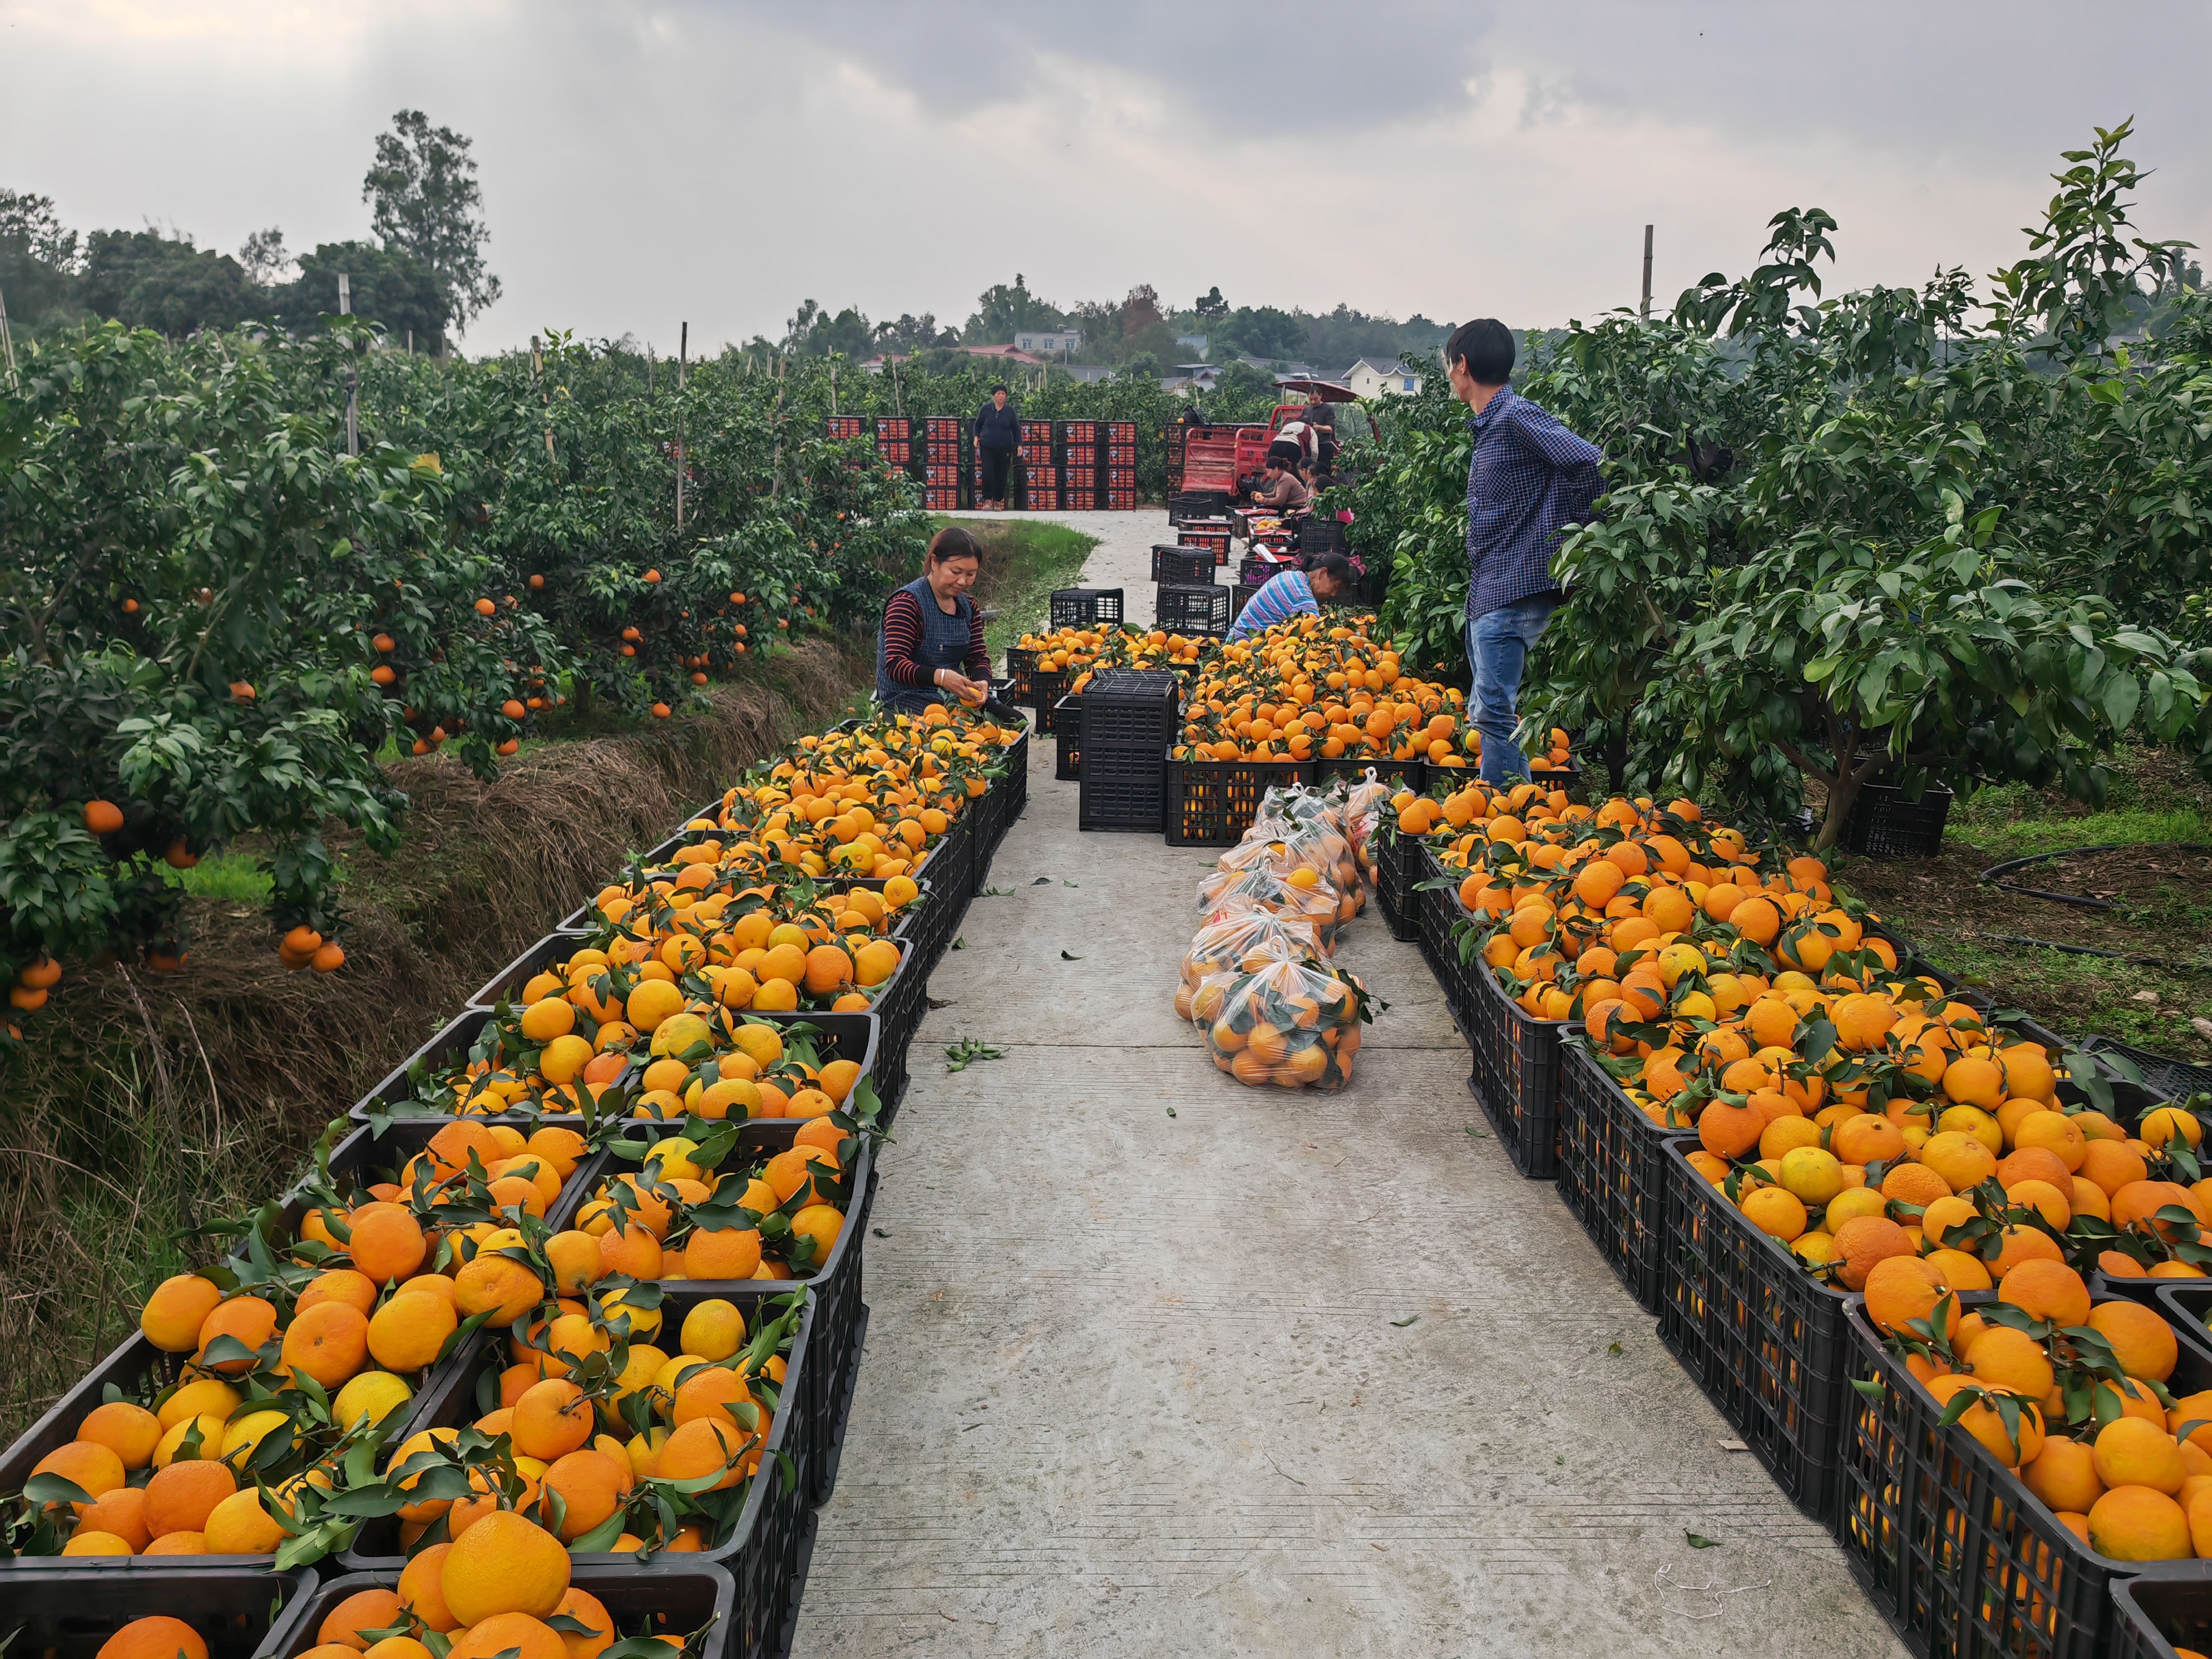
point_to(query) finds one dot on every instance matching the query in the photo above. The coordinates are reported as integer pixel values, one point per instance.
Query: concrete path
(1139, 1376)
(1123, 557)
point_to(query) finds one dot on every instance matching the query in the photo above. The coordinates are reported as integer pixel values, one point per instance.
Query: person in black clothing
(998, 435)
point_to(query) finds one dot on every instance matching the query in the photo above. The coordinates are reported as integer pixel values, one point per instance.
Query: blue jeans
(1497, 644)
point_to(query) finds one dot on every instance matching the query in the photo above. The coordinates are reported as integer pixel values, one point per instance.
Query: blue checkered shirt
(1528, 478)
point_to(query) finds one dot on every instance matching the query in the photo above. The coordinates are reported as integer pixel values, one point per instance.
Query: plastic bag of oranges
(1321, 850)
(1239, 945)
(1302, 895)
(1362, 803)
(1295, 1024)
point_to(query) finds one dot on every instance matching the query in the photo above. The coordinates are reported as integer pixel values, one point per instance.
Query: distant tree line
(423, 277)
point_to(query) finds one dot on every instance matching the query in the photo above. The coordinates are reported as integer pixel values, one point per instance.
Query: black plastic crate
(1191, 610)
(856, 1037)
(1612, 1171)
(1067, 739)
(841, 1312)
(2163, 1075)
(1239, 597)
(2166, 1605)
(1948, 1543)
(1762, 1336)
(1212, 803)
(1885, 824)
(67, 1608)
(671, 1596)
(1086, 607)
(1122, 789)
(1197, 504)
(765, 1554)
(1516, 1058)
(1253, 572)
(1190, 567)
(1392, 775)
(1047, 687)
(1019, 663)
(1400, 863)
(1320, 536)
(1128, 710)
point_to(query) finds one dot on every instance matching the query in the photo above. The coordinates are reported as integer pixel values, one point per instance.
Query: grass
(1023, 560)
(237, 877)
(2155, 798)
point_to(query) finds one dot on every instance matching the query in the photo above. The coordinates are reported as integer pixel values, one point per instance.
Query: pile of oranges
(301, 1358)
(1257, 979)
(2068, 1392)
(1305, 689)
(594, 1415)
(1079, 652)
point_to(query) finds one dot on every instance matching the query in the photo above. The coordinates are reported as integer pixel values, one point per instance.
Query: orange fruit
(157, 1637)
(2136, 1523)
(364, 1610)
(511, 1632)
(180, 1498)
(503, 1564)
(423, 1590)
(2047, 1289)
(174, 1313)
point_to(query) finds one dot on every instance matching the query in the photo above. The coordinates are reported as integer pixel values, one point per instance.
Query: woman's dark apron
(945, 642)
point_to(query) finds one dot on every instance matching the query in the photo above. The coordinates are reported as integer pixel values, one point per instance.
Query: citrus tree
(204, 594)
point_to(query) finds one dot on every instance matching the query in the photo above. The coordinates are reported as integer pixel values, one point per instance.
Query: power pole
(682, 362)
(353, 373)
(1645, 311)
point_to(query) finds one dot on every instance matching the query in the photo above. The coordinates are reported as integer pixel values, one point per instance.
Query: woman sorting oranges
(931, 647)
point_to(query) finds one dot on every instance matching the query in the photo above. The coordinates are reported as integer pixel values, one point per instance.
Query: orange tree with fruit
(1892, 534)
(203, 594)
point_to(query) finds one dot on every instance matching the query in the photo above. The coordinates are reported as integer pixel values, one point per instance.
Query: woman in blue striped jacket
(1294, 593)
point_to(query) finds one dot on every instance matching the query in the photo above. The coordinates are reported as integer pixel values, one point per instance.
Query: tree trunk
(1616, 754)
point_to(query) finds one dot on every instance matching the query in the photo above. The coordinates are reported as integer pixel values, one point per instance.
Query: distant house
(1288, 372)
(1195, 341)
(1091, 373)
(1370, 378)
(1048, 341)
(1009, 354)
(1189, 380)
(875, 365)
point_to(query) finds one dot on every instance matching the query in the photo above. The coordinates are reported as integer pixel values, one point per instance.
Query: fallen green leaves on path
(960, 1055)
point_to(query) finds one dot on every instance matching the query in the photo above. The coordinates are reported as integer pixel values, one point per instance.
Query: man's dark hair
(1334, 566)
(1486, 345)
(954, 542)
(1001, 386)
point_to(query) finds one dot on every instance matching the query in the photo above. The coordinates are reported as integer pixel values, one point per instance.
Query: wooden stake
(683, 361)
(1645, 312)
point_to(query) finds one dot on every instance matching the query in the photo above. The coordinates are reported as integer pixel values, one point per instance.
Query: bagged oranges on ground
(1303, 899)
(1296, 1024)
(2071, 1395)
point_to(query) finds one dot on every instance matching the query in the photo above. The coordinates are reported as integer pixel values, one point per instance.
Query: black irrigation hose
(2082, 900)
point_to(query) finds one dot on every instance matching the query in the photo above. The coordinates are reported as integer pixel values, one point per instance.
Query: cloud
(648, 164)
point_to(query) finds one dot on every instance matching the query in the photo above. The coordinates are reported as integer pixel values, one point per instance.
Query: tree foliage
(426, 202)
(1900, 533)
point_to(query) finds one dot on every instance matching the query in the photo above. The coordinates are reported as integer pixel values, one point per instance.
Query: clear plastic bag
(1242, 944)
(1295, 1024)
(1362, 803)
(1303, 894)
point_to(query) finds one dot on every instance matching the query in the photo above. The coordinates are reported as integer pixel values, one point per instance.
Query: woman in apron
(930, 649)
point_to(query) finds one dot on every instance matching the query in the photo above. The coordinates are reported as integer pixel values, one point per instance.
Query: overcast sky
(645, 163)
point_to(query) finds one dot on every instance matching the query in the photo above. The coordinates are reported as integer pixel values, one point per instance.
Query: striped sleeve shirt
(902, 641)
(1281, 598)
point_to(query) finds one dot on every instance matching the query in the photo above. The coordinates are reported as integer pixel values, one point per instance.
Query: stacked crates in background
(845, 425)
(1173, 438)
(1040, 473)
(945, 479)
(895, 441)
(1120, 479)
(1080, 443)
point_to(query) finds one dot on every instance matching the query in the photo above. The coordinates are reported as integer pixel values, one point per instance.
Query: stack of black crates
(845, 425)
(895, 441)
(1127, 719)
(1080, 445)
(1120, 475)
(945, 475)
(1040, 472)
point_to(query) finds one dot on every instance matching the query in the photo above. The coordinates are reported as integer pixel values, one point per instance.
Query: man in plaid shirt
(1528, 479)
